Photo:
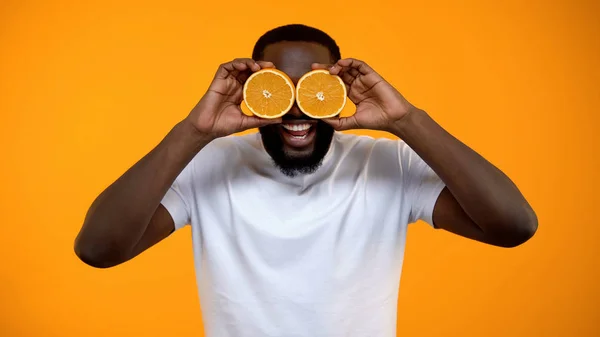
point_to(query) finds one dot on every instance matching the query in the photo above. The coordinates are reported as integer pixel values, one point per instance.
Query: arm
(127, 218)
(479, 201)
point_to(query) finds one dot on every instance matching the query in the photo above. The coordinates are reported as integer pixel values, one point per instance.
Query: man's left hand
(379, 106)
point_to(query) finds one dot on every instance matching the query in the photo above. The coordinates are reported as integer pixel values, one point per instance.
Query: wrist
(409, 122)
(192, 136)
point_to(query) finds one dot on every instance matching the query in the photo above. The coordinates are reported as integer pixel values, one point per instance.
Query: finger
(244, 67)
(353, 72)
(245, 64)
(240, 66)
(348, 77)
(223, 71)
(234, 67)
(316, 66)
(360, 66)
(342, 123)
(243, 76)
(265, 64)
(251, 122)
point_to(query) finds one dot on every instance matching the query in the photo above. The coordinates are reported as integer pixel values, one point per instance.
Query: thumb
(251, 122)
(342, 123)
(316, 66)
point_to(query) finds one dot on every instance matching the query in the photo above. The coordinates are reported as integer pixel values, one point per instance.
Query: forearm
(485, 193)
(120, 215)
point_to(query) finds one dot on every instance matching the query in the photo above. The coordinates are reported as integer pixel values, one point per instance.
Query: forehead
(295, 58)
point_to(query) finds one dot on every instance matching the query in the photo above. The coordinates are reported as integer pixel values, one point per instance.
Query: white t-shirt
(317, 255)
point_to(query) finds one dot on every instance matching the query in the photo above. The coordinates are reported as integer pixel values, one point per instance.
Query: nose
(295, 112)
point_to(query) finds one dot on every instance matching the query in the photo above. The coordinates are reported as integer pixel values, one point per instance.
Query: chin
(295, 161)
(299, 154)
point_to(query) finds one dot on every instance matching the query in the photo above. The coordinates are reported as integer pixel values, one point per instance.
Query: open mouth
(298, 133)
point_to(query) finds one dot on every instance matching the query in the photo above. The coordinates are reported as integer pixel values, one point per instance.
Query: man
(302, 238)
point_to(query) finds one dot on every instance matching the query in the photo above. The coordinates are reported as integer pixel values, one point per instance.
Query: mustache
(297, 118)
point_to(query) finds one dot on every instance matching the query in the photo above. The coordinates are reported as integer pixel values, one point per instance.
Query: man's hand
(479, 202)
(218, 113)
(379, 106)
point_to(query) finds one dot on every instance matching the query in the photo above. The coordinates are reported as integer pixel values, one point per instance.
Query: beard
(292, 164)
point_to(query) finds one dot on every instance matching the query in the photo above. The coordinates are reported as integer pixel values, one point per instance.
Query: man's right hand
(128, 218)
(218, 113)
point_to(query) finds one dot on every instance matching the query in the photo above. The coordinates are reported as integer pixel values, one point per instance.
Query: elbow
(518, 230)
(520, 235)
(96, 254)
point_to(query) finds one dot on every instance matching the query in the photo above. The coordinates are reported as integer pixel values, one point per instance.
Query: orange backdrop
(87, 88)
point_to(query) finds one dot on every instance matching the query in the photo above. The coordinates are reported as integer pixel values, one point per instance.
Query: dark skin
(127, 218)
(296, 59)
(479, 202)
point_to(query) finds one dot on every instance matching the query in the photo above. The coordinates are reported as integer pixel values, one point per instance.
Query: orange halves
(270, 93)
(320, 94)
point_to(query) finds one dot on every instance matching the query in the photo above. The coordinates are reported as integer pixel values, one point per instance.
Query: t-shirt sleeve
(177, 199)
(422, 186)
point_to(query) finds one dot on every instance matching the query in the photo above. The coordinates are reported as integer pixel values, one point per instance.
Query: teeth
(300, 137)
(296, 127)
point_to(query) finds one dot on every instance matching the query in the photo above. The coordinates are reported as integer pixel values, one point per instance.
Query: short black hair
(296, 32)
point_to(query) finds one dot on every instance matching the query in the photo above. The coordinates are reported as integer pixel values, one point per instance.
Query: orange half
(269, 93)
(320, 94)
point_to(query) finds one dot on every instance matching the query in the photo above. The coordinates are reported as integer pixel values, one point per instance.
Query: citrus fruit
(320, 94)
(269, 93)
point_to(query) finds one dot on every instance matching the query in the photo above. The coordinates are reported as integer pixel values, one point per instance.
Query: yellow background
(87, 88)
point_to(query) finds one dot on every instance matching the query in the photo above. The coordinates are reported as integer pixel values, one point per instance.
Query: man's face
(299, 143)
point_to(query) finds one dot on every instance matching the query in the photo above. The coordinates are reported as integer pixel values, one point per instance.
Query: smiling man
(298, 145)
(299, 230)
